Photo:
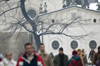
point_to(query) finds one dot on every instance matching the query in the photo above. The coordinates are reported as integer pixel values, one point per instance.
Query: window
(73, 16)
(31, 13)
(94, 20)
(93, 44)
(74, 44)
(55, 45)
(53, 20)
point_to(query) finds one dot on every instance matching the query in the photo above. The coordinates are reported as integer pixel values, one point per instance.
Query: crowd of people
(31, 58)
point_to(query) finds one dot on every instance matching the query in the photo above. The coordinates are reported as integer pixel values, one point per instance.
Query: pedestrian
(61, 59)
(98, 62)
(1, 59)
(45, 56)
(52, 56)
(79, 51)
(9, 61)
(96, 56)
(29, 57)
(92, 52)
(84, 58)
(75, 60)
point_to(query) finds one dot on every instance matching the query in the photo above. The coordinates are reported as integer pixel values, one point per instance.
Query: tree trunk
(32, 23)
(37, 40)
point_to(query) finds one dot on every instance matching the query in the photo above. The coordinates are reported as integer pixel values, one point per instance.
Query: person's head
(8, 56)
(51, 53)
(82, 50)
(74, 52)
(92, 49)
(42, 47)
(99, 49)
(28, 48)
(60, 50)
(79, 51)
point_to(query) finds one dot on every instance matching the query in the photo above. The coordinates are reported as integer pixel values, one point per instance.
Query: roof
(68, 8)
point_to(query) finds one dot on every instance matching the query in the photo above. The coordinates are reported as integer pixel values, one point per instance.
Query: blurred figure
(1, 59)
(92, 52)
(29, 57)
(61, 59)
(52, 56)
(8, 61)
(24, 52)
(98, 62)
(79, 51)
(96, 56)
(75, 60)
(46, 57)
(84, 58)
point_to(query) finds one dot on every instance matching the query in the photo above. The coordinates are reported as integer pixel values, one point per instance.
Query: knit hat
(74, 52)
(60, 49)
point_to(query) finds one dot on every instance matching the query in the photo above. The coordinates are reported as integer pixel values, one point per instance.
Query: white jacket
(9, 63)
(1, 64)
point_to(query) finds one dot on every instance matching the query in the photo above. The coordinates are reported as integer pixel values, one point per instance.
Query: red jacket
(38, 59)
(75, 61)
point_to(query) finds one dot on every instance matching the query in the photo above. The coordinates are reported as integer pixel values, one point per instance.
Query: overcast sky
(93, 6)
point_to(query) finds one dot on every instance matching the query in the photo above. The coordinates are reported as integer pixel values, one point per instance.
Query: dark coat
(85, 60)
(91, 55)
(75, 61)
(46, 58)
(98, 63)
(95, 58)
(56, 60)
(36, 61)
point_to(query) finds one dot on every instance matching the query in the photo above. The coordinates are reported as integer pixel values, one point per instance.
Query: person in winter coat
(45, 56)
(92, 52)
(96, 56)
(51, 54)
(29, 57)
(80, 54)
(79, 51)
(8, 61)
(75, 60)
(84, 58)
(98, 62)
(61, 59)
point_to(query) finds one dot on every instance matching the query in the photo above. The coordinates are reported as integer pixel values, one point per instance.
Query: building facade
(64, 26)
(86, 22)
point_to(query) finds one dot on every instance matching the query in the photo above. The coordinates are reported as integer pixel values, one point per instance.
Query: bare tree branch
(68, 24)
(71, 36)
(9, 10)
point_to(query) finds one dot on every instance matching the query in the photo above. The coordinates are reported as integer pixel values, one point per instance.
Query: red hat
(74, 52)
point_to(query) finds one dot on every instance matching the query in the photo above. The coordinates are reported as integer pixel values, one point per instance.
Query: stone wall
(13, 42)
